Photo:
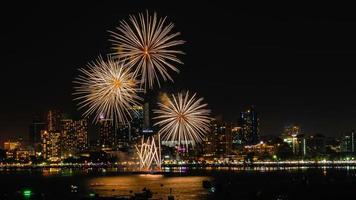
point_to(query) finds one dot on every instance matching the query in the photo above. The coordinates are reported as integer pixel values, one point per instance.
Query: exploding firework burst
(183, 119)
(106, 90)
(147, 44)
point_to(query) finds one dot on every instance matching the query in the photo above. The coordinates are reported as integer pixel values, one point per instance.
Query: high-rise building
(146, 116)
(74, 136)
(35, 132)
(51, 145)
(123, 136)
(249, 124)
(347, 144)
(237, 137)
(218, 141)
(54, 118)
(107, 133)
(136, 125)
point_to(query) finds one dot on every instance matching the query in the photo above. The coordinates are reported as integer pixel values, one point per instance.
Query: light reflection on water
(182, 187)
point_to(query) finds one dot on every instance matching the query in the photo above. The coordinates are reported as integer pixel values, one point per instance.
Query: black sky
(295, 64)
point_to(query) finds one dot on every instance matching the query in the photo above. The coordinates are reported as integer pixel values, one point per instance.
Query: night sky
(295, 65)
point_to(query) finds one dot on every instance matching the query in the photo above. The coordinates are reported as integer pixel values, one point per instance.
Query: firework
(146, 44)
(106, 90)
(149, 154)
(183, 119)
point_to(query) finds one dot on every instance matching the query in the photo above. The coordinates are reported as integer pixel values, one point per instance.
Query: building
(51, 145)
(74, 137)
(146, 116)
(347, 142)
(218, 142)
(249, 124)
(11, 145)
(237, 137)
(261, 150)
(107, 133)
(316, 145)
(137, 123)
(35, 132)
(124, 136)
(54, 118)
(293, 136)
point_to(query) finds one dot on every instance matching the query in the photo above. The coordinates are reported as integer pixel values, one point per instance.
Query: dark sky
(294, 64)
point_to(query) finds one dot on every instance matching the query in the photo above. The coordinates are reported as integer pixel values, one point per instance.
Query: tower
(249, 124)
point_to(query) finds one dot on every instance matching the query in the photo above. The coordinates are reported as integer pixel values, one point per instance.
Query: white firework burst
(146, 44)
(106, 90)
(183, 119)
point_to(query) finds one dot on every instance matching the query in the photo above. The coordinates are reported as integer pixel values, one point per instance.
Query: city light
(27, 193)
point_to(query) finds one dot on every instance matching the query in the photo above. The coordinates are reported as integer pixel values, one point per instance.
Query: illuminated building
(51, 145)
(54, 118)
(23, 155)
(218, 142)
(11, 145)
(124, 135)
(129, 133)
(107, 133)
(15, 150)
(136, 125)
(347, 144)
(249, 124)
(295, 139)
(237, 136)
(261, 149)
(74, 136)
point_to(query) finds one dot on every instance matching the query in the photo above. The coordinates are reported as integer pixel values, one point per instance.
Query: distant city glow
(106, 90)
(146, 44)
(183, 119)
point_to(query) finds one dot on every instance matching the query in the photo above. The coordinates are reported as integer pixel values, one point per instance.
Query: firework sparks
(149, 154)
(107, 90)
(183, 120)
(147, 44)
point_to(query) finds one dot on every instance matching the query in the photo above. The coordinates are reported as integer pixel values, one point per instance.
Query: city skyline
(320, 103)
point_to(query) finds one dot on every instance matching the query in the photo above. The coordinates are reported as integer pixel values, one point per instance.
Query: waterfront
(186, 183)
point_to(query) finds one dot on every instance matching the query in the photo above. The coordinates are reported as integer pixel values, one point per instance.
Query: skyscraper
(107, 133)
(35, 132)
(146, 116)
(219, 141)
(347, 144)
(51, 145)
(54, 118)
(249, 124)
(136, 124)
(74, 136)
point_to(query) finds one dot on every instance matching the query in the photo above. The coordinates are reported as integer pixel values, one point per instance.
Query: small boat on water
(144, 195)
